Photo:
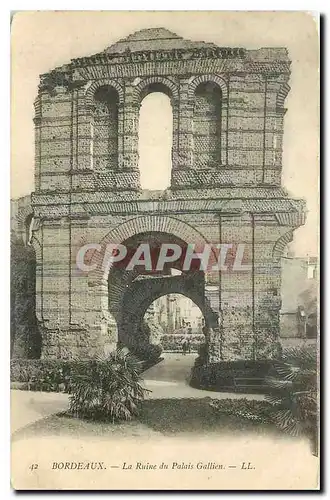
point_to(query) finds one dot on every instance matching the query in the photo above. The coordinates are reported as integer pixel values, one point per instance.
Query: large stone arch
(143, 224)
(143, 292)
(101, 286)
(120, 279)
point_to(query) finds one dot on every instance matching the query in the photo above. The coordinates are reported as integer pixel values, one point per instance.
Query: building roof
(154, 39)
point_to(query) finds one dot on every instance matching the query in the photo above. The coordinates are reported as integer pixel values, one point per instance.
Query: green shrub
(290, 387)
(292, 391)
(107, 388)
(42, 374)
(54, 375)
(25, 336)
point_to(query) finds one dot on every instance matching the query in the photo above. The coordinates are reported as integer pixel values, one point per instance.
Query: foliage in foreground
(293, 391)
(291, 401)
(109, 390)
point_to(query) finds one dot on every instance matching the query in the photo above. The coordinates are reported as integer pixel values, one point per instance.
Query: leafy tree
(25, 336)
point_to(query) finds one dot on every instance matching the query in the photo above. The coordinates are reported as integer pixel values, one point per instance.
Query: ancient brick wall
(20, 217)
(228, 110)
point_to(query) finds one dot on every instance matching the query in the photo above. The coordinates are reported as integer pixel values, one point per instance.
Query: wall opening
(176, 323)
(207, 125)
(155, 140)
(105, 129)
(177, 314)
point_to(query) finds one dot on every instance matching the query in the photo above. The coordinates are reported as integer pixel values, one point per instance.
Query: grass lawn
(162, 417)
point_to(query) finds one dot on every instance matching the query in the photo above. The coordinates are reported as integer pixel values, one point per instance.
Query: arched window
(105, 129)
(207, 125)
(155, 137)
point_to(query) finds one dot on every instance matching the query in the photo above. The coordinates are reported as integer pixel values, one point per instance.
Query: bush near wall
(48, 375)
(234, 376)
(173, 342)
(25, 337)
(42, 374)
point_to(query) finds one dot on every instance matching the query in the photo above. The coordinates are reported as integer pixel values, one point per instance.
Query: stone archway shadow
(117, 283)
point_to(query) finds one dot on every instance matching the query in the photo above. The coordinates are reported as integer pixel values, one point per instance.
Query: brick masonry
(228, 111)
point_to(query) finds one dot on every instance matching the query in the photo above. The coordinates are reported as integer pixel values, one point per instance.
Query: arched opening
(131, 290)
(155, 137)
(177, 315)
(124, 276)
(105, 128)
(207, 125)
(176, 324)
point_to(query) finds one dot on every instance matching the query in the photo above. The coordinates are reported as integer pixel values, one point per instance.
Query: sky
(45, 39)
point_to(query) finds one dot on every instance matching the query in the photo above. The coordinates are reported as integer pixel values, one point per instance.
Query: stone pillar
(85, 128)
(102, 326)
(82, 123)
(246, 292)
(266, 288)
(128, 156)
(224, 131)
(53, 285)
(184, 129)
(121, 117)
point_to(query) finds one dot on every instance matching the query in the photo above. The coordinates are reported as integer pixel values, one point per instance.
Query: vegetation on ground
(108, 388)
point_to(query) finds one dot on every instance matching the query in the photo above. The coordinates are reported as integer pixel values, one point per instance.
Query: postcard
(164, 250)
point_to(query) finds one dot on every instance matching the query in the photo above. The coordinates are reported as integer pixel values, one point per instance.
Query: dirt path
(169, 379)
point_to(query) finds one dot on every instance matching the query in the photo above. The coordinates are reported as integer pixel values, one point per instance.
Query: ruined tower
(228, 112)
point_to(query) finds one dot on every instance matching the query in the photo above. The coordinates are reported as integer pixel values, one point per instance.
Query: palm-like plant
(292, 391)
(108, 388)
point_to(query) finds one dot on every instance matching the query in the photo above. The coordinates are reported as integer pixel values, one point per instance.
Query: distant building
(177, 314)
(299, 292)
